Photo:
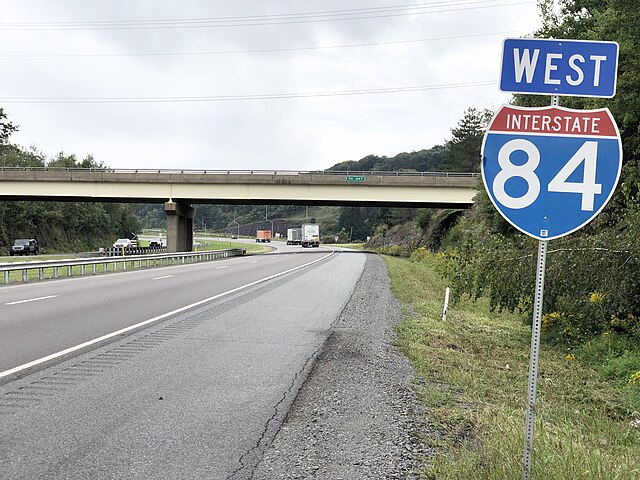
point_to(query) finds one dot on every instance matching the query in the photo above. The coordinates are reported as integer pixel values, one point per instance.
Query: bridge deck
(241, 187)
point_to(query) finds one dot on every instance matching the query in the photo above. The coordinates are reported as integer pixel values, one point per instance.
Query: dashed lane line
(154, 319)
(31, 300)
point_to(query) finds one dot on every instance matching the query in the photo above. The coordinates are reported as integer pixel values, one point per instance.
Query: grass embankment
(353, 246)
(472, 375)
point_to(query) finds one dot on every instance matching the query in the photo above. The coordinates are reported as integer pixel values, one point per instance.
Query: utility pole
(237, 224)
(266, 217)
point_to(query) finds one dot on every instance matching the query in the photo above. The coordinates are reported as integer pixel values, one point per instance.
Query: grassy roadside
(222, 245)
(354, 246)
(33, 258)
(472, 376)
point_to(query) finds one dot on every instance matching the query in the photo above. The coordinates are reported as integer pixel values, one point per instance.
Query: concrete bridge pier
(180, 217)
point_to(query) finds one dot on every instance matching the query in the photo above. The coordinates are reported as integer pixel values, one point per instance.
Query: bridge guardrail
(157, 260)
(242, 172)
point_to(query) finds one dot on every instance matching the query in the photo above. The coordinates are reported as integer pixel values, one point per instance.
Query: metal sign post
(533, 360)
(535, 350)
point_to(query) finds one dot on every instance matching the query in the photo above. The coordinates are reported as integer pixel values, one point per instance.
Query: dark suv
(24, 246)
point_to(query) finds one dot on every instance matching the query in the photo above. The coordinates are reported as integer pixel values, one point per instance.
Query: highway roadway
(174, 372)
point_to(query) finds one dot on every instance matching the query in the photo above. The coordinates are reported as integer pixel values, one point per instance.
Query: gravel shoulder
(356, 416)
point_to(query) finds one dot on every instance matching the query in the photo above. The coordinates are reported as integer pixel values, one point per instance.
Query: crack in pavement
(250, 459)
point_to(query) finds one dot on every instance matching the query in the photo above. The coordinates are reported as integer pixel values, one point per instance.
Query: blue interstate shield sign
(549, 171)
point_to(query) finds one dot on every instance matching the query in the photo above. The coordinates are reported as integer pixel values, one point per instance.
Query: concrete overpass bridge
(179, 189)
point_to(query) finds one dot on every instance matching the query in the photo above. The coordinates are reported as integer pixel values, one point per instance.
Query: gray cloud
(307, 133)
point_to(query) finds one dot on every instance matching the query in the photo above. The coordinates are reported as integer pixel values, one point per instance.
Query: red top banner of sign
(554, 121)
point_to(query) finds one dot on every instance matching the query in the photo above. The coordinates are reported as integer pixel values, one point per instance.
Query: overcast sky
(191, 84)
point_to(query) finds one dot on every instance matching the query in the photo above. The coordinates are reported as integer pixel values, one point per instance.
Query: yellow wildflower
(550, 319)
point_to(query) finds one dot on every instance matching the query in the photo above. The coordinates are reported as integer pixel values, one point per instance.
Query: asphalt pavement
(290, 378)
(200, 394)
(40, 319)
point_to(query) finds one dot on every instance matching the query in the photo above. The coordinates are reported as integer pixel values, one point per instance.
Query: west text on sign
(559, 67)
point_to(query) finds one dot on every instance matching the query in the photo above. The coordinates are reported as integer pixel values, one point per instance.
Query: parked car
(25, 246)
(122, 243)
(155, 242)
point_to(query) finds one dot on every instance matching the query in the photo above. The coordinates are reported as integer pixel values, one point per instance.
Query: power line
(353, 11)
(258, 50)
(235, 98)
(257, 20)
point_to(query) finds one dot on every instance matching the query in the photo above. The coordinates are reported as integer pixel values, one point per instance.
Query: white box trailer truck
(310, 235)
(294, 236)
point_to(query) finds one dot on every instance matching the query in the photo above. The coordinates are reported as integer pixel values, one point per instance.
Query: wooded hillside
(58, 226)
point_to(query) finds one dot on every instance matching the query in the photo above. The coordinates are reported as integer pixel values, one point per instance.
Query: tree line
(58, 226)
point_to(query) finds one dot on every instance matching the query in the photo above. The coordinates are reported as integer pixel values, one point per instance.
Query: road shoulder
(357, 415)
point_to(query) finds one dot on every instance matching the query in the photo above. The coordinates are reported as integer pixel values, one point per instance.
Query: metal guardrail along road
(149, 261)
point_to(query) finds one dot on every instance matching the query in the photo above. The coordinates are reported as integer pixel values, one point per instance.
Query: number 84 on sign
(549, 171)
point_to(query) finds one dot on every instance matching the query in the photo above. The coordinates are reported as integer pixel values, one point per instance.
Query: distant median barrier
(113, 252)
(23, 272)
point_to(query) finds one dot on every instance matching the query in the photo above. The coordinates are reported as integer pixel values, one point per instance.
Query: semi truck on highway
(294, 236)
(263, 236)
(310, 235)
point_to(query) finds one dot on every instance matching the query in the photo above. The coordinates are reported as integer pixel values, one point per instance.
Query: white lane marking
(254, 261)
(152, 320)
(31, 300)
(164, 276)
(220, 268)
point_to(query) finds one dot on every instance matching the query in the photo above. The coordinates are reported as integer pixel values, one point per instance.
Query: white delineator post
(446, 305)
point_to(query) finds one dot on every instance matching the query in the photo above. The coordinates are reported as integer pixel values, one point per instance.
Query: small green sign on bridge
(355, 178)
